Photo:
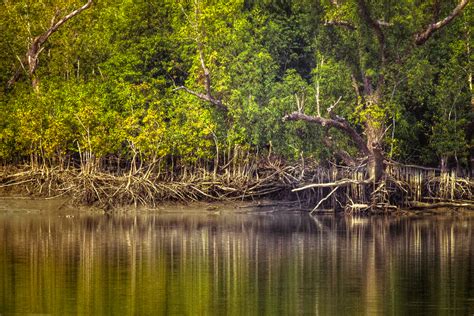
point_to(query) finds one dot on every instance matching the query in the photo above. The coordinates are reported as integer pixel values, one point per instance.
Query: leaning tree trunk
(31, 58)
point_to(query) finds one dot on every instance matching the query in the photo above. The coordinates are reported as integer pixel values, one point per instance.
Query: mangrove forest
(357, 105)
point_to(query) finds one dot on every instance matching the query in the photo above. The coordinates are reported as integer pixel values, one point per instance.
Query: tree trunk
(443, 163)
(36, 47)
(374, 130)
(375, 160)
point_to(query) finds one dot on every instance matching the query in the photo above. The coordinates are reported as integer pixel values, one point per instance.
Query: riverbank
(63, 207)
(306, 187)
(108, 190)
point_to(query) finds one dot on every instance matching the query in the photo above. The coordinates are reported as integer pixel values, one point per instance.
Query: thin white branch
(322, 200)
(344, 182)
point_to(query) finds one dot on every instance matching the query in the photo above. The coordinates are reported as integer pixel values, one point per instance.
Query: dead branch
(337, 122)
(340, 183)
(324, 199)
(421, 205)
(31, 57)
(357, 207)
(204, 97)
(345, 24)
(300, 102)
(383, 23)
(331, 108)
(423, 36)
(351, 27)
(207, 76)
(395, 163)
(207, 96)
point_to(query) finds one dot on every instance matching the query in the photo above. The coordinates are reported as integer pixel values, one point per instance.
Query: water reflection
(235, 264)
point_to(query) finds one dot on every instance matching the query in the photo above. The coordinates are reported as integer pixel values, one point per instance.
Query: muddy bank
(312, 188)
(62, 206)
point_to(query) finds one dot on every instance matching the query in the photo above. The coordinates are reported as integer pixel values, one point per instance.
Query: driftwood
(423, 205)
(340, 183)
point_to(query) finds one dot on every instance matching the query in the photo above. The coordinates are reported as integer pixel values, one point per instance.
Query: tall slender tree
(29, 63)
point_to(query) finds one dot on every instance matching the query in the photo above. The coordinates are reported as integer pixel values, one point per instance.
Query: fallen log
(423, 205)
(339, 183)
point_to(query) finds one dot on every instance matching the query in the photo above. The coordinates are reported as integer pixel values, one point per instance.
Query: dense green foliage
(108, 79)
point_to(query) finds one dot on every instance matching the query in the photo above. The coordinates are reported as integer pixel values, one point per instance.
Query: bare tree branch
(331, 108)
(351, 27)
(55, 27)
(423, 36)
(347, 25)
(324, 199)
(207, 75)
(204, 97)
(338, 122)
(36, 48)
(383, 23)
(338, 183)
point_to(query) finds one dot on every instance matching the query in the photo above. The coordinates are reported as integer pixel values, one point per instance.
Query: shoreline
(277, 186)
(22, 205)
(31, 204)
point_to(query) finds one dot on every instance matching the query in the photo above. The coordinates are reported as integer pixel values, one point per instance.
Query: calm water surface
(235, 263)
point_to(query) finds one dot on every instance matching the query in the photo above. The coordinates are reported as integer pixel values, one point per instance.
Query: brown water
(234, 264)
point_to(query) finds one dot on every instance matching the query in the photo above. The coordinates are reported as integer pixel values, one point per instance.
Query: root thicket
(143, 188)
(307, 184)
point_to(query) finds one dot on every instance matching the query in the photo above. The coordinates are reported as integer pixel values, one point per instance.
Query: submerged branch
(324, 199)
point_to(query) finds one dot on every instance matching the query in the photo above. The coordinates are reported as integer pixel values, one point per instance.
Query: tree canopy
(187, 78)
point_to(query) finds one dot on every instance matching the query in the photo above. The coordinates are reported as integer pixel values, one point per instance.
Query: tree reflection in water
(236, 264)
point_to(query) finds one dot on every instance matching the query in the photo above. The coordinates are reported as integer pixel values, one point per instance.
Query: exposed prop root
(307, 186)
(107, 190)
